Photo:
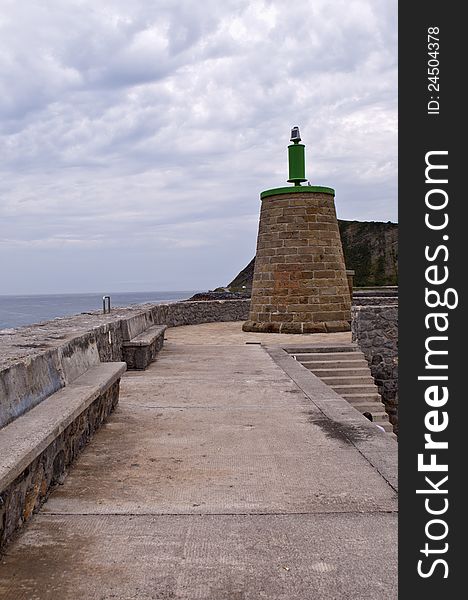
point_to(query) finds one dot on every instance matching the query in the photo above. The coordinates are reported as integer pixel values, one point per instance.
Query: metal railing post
(104, 299)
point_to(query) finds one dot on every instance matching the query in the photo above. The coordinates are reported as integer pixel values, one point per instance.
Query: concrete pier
(227, 471)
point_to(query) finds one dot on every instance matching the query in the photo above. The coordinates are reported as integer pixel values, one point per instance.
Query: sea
(16, 311)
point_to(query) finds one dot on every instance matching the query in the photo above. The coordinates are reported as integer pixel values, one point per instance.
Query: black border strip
(430, 119)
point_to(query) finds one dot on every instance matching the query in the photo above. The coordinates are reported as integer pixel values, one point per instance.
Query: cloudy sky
(135, 137)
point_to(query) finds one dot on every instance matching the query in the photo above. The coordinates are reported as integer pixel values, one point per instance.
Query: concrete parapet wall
(26, 383)
(375, 329)
(40, 359)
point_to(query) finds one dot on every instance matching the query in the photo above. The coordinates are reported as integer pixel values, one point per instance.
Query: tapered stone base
(299, 283)
(324, 327)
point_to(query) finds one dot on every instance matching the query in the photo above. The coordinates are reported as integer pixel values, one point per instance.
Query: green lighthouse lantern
(296, 158)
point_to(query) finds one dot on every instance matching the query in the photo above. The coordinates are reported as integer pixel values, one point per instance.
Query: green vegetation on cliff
(370, 249)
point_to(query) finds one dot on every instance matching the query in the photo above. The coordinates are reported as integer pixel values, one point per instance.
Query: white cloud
(152, 127)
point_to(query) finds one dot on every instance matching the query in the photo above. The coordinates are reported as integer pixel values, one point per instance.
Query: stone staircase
(345, 369)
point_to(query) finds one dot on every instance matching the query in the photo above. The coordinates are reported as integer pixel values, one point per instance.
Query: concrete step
(378, 415)
(340, 364)
(341, 372)
(381, 418)
(340, 380)
(321, 350)
(347, 372)
(362, 397)
(359, 388)
(388, 427)
(330, 356)
(373, 406)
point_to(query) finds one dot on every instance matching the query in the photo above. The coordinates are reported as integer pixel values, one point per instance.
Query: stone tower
(300, 283)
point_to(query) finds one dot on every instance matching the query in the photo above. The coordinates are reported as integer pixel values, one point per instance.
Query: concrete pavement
(226, 472)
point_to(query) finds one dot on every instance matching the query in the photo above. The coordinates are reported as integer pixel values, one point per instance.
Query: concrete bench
(37, 447)
(142, 341)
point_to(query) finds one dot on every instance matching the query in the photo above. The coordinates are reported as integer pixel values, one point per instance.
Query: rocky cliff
(370, 249)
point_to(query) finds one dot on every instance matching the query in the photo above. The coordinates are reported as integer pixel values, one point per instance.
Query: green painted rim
(298, 189)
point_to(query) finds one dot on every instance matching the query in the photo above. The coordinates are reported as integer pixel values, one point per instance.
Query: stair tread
(312, 367)
(332, 375)
(366, 393)
(364, 387)
(327, 355)
(339, 369)
(370, 406)
(322, 349)
(344, 374)
(373, 404)
(352, 398)
(377, 414)
(337, 364)
(349, 375)
(350, 378)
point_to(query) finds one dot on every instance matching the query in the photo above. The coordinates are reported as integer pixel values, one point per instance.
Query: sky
(136, 137)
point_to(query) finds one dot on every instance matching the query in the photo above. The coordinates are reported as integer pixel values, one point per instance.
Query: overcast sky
(136, 136)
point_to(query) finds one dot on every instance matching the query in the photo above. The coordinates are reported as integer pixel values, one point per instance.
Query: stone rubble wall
(193, 313)
(375, 330)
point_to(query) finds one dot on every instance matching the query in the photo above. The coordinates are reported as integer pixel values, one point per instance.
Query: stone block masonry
(300, 283)
(375, 329)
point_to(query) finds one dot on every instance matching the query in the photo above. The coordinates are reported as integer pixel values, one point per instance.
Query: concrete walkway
(219, 477)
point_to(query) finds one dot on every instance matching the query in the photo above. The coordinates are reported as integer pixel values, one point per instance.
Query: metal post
(296, 158)
(104, 299)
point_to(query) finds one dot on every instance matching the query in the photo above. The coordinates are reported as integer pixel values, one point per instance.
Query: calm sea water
(16, 311)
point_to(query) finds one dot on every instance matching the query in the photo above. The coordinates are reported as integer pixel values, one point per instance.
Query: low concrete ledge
(142, 350)
(29, 382)
(36, 448)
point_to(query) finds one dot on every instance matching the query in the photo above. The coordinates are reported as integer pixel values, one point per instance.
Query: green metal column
(296, 159)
